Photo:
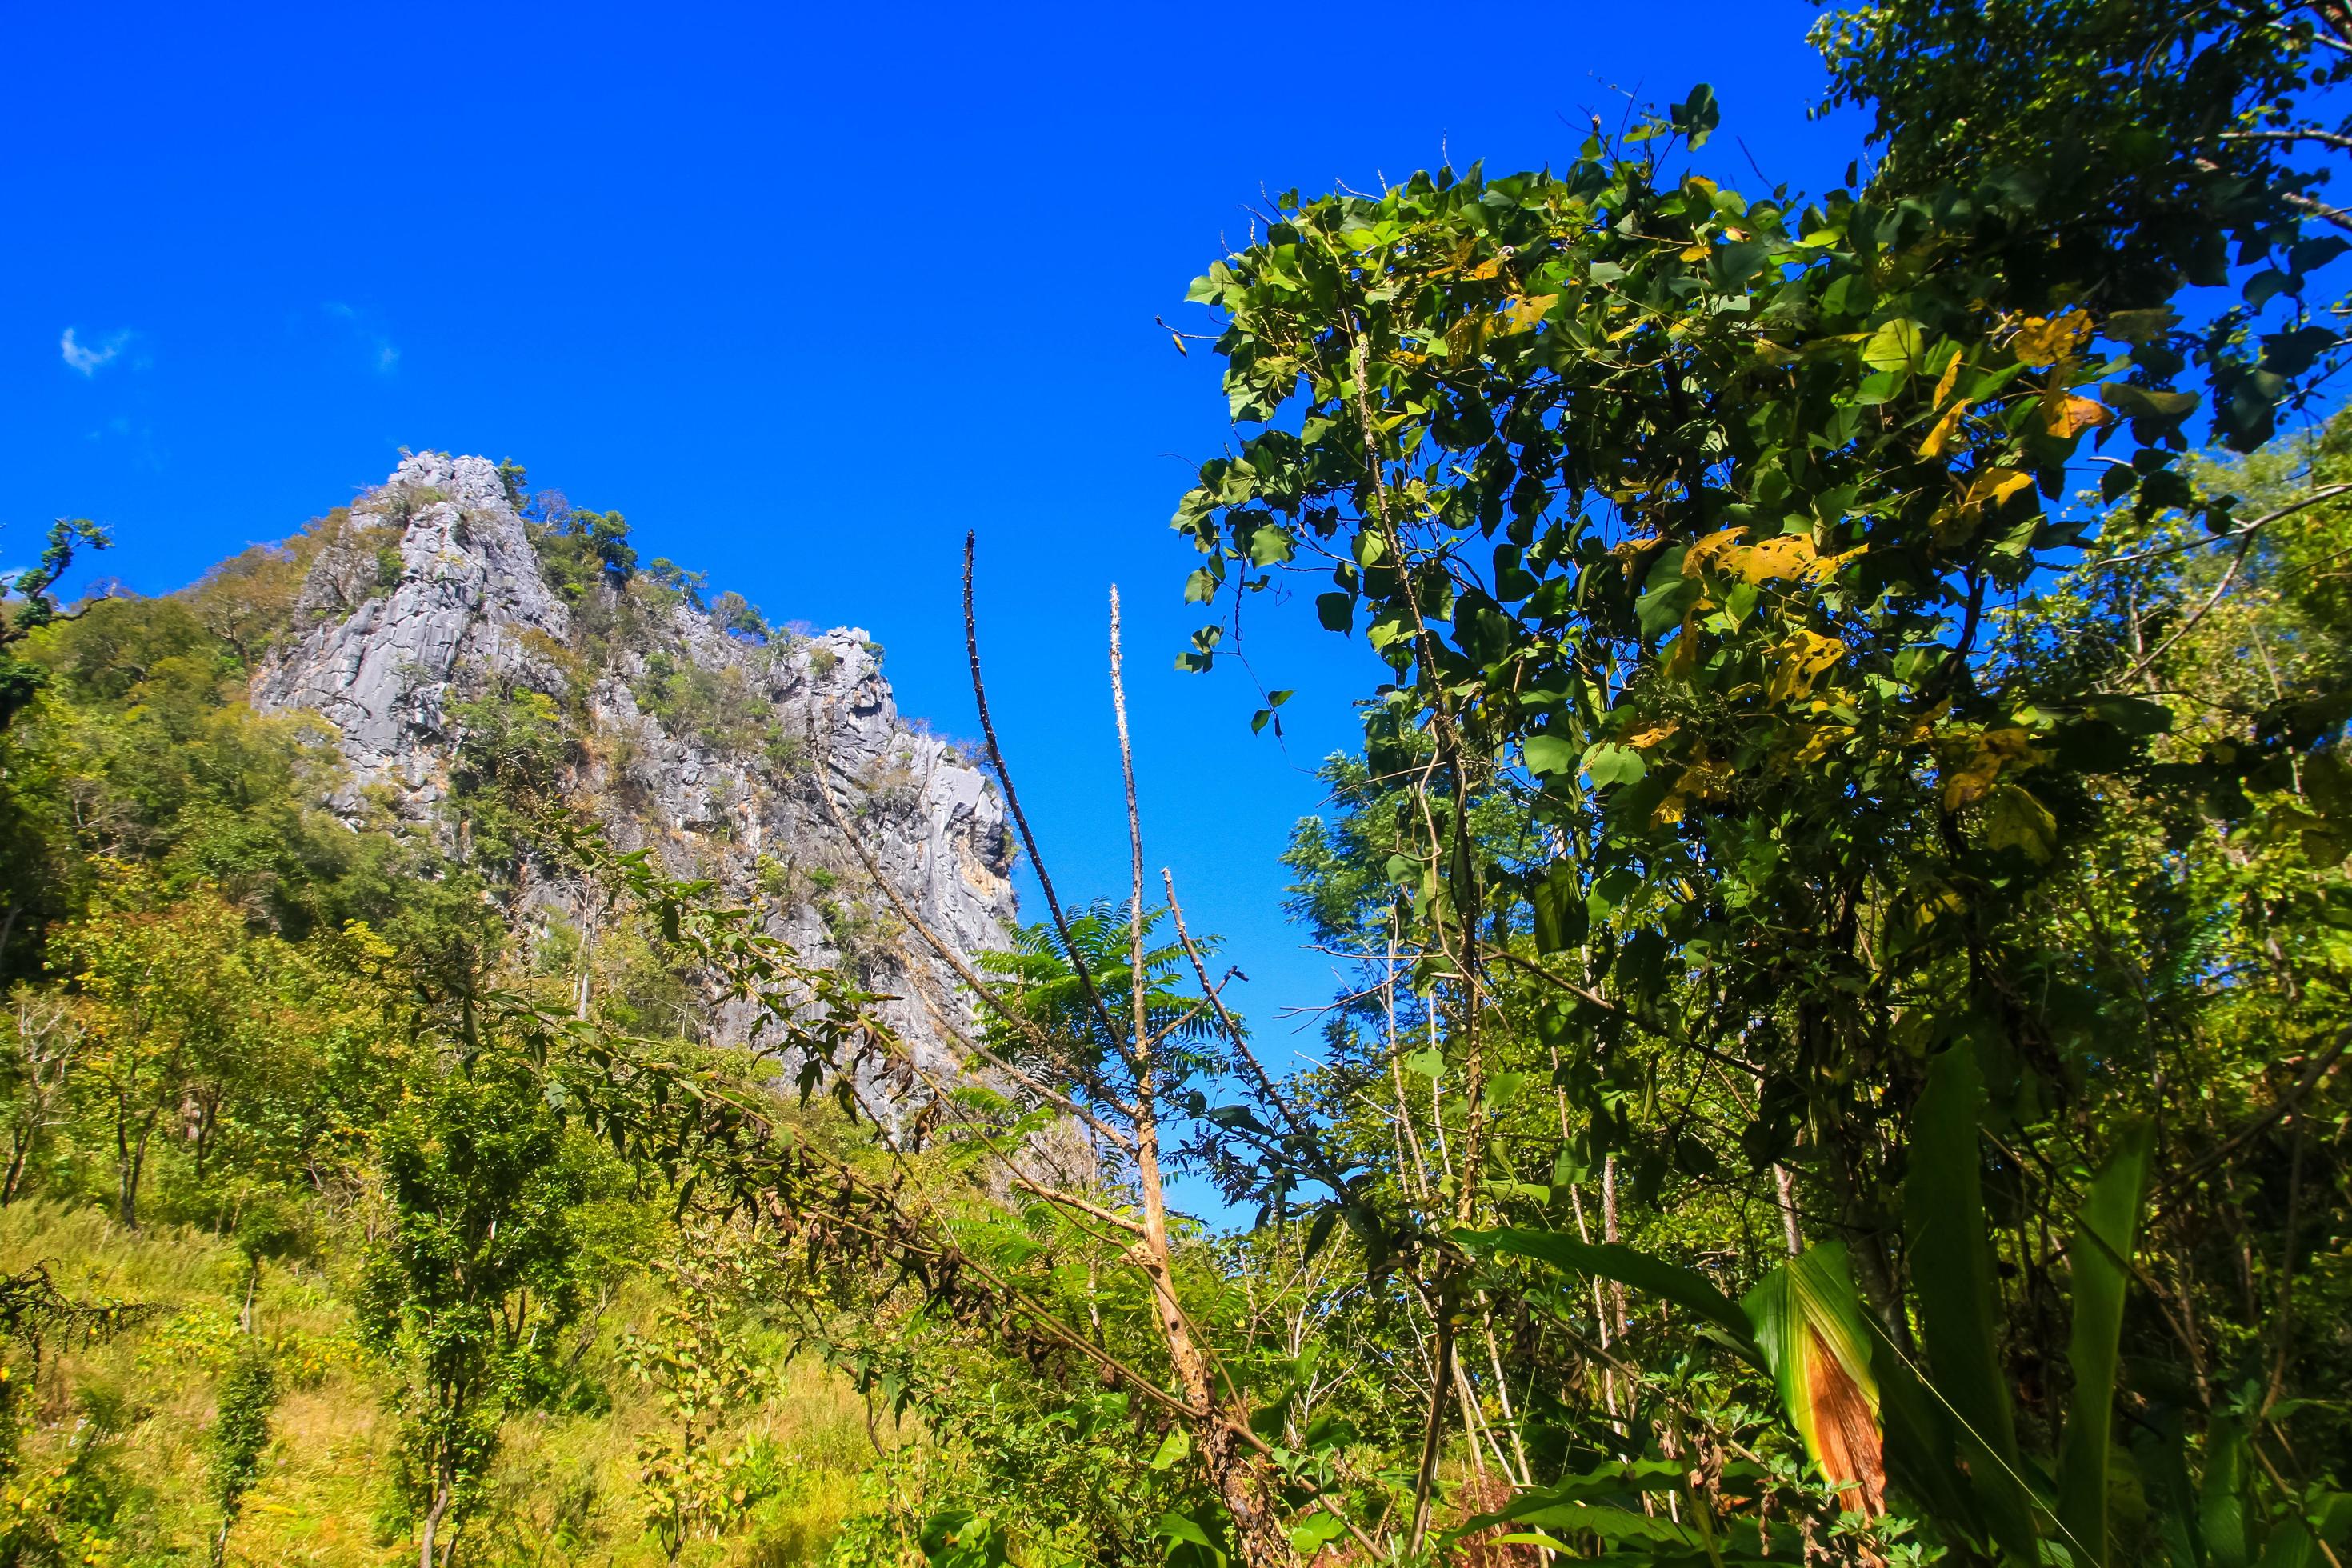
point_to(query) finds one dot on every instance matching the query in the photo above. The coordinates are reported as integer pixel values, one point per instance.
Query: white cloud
(383, 352)
(87, 359)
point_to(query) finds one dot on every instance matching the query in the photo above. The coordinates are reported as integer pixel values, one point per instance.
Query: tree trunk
(441, 1489)
(20, 1151)
(134, 1166)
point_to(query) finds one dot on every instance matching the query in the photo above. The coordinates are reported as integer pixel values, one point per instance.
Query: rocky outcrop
(707, 745)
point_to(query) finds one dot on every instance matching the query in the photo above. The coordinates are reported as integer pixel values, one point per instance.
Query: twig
(1012, 800)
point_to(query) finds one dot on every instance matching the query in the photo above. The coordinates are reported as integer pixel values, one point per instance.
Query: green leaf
(1270, 545)
(1562, 915)
(1895, 346)
(1951, 1273)
(1697, 116)
(1172, 1449)
(1337, 612)
(1610, 764)
(2101, 1262)
(1315, 1532)
(2154, 411)
(1180, 1532)
(1612, 1261)
(1552, 755)
(2222, 1505)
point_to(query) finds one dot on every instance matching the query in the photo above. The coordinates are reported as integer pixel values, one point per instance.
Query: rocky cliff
(707, 741)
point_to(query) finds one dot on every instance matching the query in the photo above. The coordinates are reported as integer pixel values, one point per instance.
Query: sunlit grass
(565, 1489)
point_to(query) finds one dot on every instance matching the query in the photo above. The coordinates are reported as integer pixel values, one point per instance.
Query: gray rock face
(706, 745)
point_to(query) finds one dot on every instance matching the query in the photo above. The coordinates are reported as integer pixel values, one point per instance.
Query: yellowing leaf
(1973, 763)
(1707, 551)
(2065, 414)
(1696, 253)
(1524, 312)
(1802, 658)
(1895, 345)
(1789, 555)
(1823, 740)
(1808, 1321)
(1652, 735)
(1484, 270)
(2050, 339)
(1944, 383)
(1940, 437)
(2015, 820)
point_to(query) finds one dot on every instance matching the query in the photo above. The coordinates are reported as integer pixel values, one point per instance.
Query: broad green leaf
(2100, 1260)
(1562, 917)
(2221, 1503)
(1555, 755)
(1952, 1275)
(1894, 346)
(1610, 764)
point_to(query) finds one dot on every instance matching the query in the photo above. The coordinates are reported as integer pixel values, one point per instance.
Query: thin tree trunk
(1786, 1187)
(426, 1553)
(1258, 1537)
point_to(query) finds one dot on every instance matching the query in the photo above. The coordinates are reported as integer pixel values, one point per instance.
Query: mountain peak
(446, 593)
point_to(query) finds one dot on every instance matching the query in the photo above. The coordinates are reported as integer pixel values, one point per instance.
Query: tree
(241, 1436)
(38, 607)
(475, 1275)
(41, 1049)
(161, 981)
(1684, 521)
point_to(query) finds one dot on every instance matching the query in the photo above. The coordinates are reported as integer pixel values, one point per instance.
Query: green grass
(564, 1490)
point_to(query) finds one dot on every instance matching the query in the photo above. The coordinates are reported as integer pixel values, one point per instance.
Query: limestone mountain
(450, 629)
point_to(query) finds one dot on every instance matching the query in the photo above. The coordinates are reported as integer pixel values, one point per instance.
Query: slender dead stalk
(1231, 1471)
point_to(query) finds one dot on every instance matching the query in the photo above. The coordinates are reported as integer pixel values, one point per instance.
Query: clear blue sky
(804, 293)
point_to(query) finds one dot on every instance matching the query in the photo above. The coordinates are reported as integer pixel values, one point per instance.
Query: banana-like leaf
(1952, 1275)
(2222, 1505)
(2100, 1260)
(1810, 1324)
(1612, 1260)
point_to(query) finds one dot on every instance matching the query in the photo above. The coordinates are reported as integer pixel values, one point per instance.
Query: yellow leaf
(2065, 415)
(1484, 270)
(1826, 567)
(1696, 253)
(1525, 311)
(1940, 437)
(1802, 658)
(1995, 485)
(1950, 378)
(2050, 339)
(1700, 781)
(1706, 552)
(1789, 555)
(1652, 736)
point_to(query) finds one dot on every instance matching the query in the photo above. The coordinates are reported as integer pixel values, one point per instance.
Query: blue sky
(804, 293)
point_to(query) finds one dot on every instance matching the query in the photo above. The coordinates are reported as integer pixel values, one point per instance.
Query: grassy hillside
(123, 1423)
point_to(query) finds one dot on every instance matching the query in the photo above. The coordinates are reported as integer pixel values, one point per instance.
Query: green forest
(1843, 888)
